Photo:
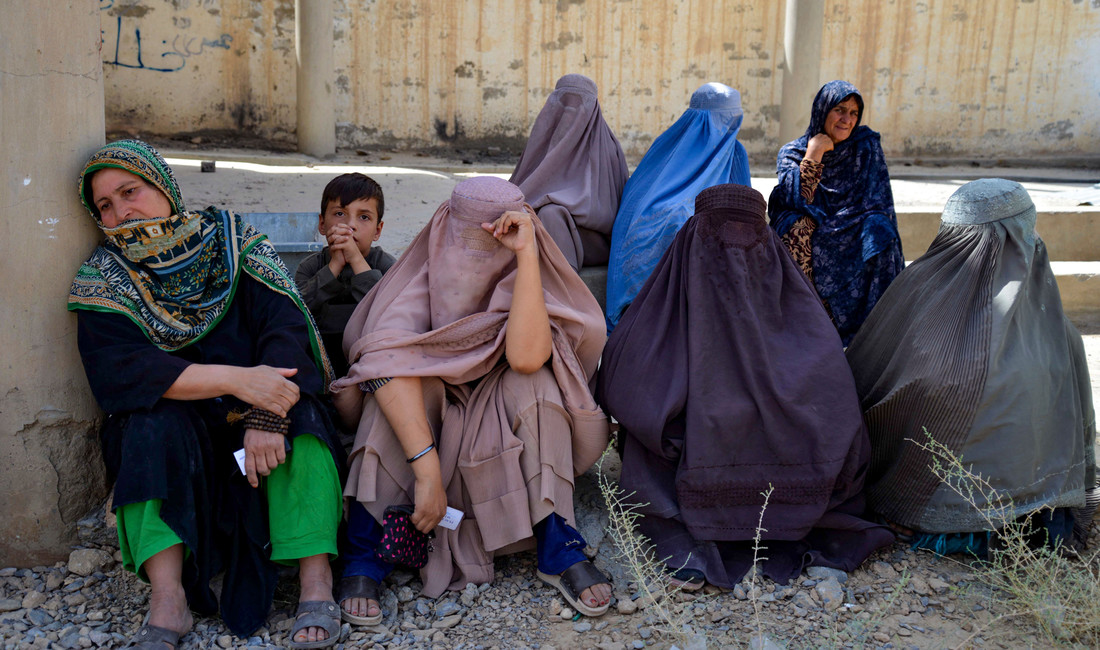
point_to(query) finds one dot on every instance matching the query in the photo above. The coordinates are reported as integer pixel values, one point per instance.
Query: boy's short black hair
(350, 187)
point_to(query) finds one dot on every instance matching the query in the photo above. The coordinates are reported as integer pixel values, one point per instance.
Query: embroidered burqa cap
(970, 344)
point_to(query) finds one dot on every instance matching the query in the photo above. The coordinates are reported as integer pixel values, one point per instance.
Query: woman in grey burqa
(572, 172)
(970, 347)
(729, 381)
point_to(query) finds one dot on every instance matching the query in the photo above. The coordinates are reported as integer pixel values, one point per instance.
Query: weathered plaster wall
(989, 78)
(50, 470)
(178, 66)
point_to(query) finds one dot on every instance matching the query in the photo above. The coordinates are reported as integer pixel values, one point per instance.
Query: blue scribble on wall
(171, 58)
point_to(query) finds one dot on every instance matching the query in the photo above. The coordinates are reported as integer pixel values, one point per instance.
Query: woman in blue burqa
(834, 210)
(699, 151)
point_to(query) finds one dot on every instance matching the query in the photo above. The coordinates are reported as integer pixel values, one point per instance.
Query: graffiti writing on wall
(126, 49)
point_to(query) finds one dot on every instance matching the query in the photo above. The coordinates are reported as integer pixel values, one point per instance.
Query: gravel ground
(897, 599)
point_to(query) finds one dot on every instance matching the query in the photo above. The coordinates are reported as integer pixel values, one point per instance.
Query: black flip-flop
(573, 581)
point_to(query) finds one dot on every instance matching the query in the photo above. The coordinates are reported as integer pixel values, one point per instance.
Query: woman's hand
(514, 231)
(818, 146)
(263, 452)
(429, 498)
(267, 388)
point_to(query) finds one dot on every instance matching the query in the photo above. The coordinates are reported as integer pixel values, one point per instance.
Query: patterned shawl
(853, 208)
(174, 277)
(699, 151)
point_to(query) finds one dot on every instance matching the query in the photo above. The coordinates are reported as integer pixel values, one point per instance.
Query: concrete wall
(51, 119)
(984, 78)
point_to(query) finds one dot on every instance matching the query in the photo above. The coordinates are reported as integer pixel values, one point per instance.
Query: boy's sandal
(324, 614)
(359, 587)
(153, 637)
(573, 581)
(688, 580)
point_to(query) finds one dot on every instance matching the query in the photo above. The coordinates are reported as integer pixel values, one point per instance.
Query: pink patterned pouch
(401, 542)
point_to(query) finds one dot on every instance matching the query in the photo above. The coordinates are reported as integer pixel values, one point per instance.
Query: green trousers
(304, 508)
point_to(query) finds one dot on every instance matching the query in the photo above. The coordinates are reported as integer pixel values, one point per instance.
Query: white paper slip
(239, 455)
(452, 518)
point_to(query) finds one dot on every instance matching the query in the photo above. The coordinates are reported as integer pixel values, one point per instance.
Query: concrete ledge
(1072, 234)
(1078, 282)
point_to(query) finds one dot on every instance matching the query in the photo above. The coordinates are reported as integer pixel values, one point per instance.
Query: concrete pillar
(313, 37)
(51, 120)
(801, 66)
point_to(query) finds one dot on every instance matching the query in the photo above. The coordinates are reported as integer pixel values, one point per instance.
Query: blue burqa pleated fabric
(699, 151)
(856, 247)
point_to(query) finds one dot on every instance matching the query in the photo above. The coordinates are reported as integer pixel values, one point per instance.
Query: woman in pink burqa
(469, 384)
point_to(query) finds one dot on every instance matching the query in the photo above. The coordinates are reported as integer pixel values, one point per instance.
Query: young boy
(333, 281)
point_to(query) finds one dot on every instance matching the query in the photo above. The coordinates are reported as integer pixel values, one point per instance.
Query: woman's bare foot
(597, 595)
(168, 602)
(315, 577)
(361, 607)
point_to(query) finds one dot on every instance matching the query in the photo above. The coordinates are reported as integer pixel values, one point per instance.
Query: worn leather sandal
(573, 581)
(153, 637)
(324, 614)
(359, 587)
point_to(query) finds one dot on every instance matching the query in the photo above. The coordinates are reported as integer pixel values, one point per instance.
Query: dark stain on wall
(493, 93)
(1060, 130)
(466, 70)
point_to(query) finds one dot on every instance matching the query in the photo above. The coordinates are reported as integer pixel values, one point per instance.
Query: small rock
(739, 592)
(39, 618)
(566, 614)
(904, 632)
(939, 585)
(86, 561)
(99, 638)
(645, 632)
(881, 637)
(830, 593)
(884, 570)
(638, 644)
(446, 608)
(423, 608)
(918, 586)
(824, 573)
(555, 607)
(582, 626)
(763, 642)
(10, 604)
(225, 641)
(33, 599)
(448, 622)
(626, 606)
(7, 572)
(404, 594)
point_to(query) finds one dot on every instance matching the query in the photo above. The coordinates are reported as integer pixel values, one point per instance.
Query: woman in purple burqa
(728, 379)
(573, 171)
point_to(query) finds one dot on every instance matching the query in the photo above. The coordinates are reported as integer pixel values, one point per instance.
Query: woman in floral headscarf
(834, 209)
(196, 344)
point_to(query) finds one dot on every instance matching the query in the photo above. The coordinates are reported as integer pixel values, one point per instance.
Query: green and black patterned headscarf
(174, 276)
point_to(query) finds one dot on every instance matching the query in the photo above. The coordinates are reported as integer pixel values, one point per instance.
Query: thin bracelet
(426, 450)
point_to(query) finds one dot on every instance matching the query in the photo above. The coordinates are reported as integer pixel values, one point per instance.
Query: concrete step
(1071, 234)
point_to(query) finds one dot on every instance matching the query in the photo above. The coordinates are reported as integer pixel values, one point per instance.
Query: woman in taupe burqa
(572, 172)
(470, 362)
(970, 344)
